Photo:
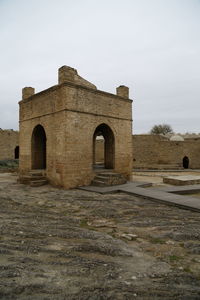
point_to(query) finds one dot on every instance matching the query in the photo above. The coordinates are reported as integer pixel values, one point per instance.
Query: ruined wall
(158, 152)
(9, 140)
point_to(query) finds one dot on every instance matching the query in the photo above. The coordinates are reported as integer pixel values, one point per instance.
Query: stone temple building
(59, 127)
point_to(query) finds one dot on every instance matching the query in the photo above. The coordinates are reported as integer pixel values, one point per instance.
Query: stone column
(66, 74)
(27, 92)
(123, 91)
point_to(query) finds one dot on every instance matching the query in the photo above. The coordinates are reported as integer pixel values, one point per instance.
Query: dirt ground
(59, 244)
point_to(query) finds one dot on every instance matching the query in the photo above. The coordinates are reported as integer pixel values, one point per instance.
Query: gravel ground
(58, 244)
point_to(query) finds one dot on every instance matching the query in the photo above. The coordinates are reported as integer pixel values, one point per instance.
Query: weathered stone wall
(158, 152)
(9, 140)
(69, 113)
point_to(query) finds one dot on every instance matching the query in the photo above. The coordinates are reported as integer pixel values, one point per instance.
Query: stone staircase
(171, 166)
(34, 178)
(107, 179)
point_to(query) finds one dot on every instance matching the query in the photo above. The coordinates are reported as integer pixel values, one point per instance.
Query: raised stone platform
(182, 180)
(154, 194)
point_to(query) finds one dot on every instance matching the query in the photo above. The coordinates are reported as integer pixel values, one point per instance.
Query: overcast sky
(152, 46)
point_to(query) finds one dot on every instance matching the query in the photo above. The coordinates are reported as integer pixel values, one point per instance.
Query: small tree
(161, 129)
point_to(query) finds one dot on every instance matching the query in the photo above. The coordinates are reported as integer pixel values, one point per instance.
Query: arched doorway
(38, 148)
(17, 152)
(185, 162)
(104, 132)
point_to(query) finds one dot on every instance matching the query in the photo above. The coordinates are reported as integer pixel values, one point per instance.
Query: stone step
(37, 177)
(108, 179)
(173, 165)
(167, 167)
(36, 183)
(109, 174)
(36, 173)
(102, 178)
(98, 183)
(28, 178)
(172, 168)
(24, 179)
(33, 178)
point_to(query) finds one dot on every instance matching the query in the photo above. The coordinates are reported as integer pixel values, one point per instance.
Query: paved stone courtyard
(73, 244)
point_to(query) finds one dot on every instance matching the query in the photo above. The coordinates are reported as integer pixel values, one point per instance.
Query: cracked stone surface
(59, 244)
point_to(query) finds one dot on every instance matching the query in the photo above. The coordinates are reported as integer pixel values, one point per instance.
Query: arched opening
(99, 151)
(38, 147)
(17, 152)
(104, 139)
(185, 162)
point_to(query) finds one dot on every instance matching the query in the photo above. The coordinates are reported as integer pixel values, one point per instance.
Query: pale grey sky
(152, 46)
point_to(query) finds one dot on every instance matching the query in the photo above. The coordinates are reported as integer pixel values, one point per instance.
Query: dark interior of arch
(185, 162)
(17, 152)
(38, 148)
(109, 145)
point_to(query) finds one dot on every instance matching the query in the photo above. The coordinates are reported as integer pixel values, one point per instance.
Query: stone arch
(16, 154)
(38, 148)
(109, 145)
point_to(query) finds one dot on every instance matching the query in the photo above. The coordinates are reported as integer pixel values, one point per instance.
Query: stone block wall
(9, 140)
(158, 152)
